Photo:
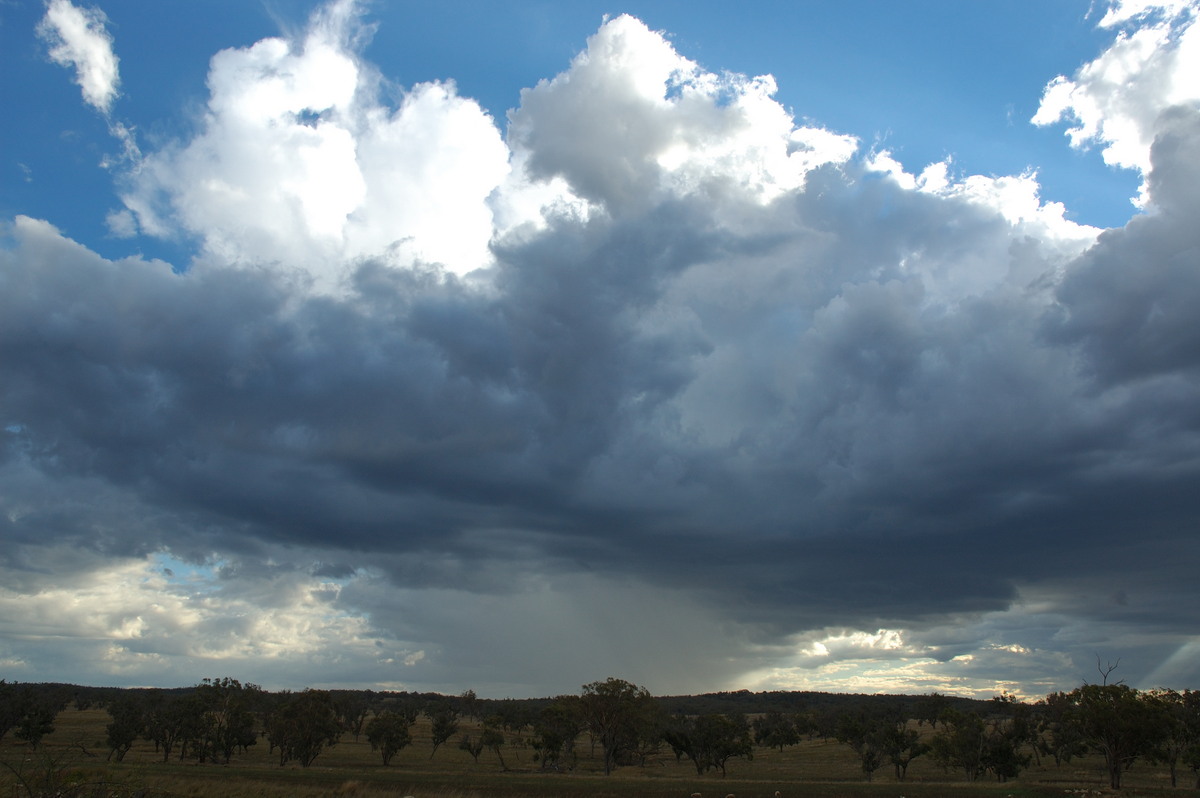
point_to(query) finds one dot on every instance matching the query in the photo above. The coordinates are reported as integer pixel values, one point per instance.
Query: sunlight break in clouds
(78, 38)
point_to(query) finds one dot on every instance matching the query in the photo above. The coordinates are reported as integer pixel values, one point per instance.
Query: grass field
(70, 763)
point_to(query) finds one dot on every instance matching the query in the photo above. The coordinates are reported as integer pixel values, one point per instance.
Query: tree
(620, 716)
(352, 708)
(302, 725)
(492, 738)
(408, 709)
(861, 731)
(1055, 734)
(975, 745)
(805, 724)
(710, 741)
(388, 733)
(1010, 729)
(9, 707)
(226, 718)
(472, 747)
(900, 746)
(825, 722)
(469, 704)
(164, 722)
(192, 727)
(1002, 755)
(1179, 739)
(555, 730)
(960, 743)
(1115, 721)
(36, 723)
(775, 730)
(930, 708)
(1191, 720)
(128, 722)
(35, 708)
(513, 715)
(444, 724)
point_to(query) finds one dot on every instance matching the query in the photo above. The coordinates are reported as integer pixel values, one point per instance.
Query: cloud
(1126, 11)
(78, 37)
(134, 618)
(297, 165)
(683, 129)
(661, 385)
(1125, 300)
(1115, 99)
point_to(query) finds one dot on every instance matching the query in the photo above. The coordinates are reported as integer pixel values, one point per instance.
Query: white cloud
(298, 167)
(1015, 197)
(140, 620)
(1115, 100)
(1121, 11)
(122, 223)
(977, 656)
(78, 37)
(681, 130)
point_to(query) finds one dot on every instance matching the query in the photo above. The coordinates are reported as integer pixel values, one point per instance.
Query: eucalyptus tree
(1117, 722)
(621, 716)
(1057, 735)
(976, 745)
(164, 722)
(492, 738)
(31, 710)
(1179, 741)
(443, 720)
(710, 741)
(128, 715)
(555, 729)
(388, 733)
(302, 725)
(776, 730)
(862, 731)
(226, 721)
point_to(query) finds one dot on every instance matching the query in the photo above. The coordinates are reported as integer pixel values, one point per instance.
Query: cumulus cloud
(134, 618)
(1115, 99)
(79, 38)
(682, 129)
(298, 165)
(661, 385)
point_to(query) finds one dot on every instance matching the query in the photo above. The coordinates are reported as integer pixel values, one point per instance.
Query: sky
(508, 347)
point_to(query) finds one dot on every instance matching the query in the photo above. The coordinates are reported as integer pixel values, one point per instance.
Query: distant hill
(737, 702)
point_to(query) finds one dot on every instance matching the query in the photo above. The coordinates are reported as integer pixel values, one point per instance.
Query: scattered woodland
(613, 738)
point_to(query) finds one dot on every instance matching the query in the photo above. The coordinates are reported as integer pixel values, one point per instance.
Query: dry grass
(72, 763)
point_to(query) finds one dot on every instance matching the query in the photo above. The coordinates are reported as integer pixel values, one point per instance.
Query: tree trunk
(1114, 775)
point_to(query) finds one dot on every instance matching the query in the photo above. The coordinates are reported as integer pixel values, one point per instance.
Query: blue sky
(771, 348)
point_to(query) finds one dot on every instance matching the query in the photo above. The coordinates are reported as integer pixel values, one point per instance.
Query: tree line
(220, 718)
